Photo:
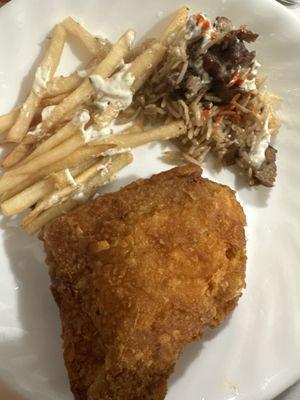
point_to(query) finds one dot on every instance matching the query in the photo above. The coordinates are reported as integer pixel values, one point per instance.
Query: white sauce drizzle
(84, 73)
(260, 145)
(103, 168)
(93, 132)
(130, 38)
(115, 150)
(202, 29)
(71, 181)
(249, 84)
(255, 68)
(53, 199)
(42, 77)
(80, 119)
(81, 196)
(115, 90)
(37, 130)
(46, 112)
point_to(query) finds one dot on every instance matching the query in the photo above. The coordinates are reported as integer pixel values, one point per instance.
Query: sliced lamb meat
(233, 50)
(223, 24)
(214, 67)
(245, 34)
(213, 70)
(266, 175)
(221, 75)
(222, 59)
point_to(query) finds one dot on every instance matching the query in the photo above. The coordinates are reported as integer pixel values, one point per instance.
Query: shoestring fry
(66, 145)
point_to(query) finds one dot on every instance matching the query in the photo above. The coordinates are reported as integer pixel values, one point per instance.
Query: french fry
(118, 162)
(7, 120)
(3, 137)
(26, 198)
(61, 195)
(15, 176)
(107, 116)
(69, 117)
(27, 112)
(40, 178)
(139, 49)
(87, 39)
(125, 140)
(20, 182)
(31, 138)
(57, 138)
(105, 68)
(48, 215)
(175, 26)
(141, 68)
(169, 131)
(53, 101)
(62, 84)
(65, 133)
(72, 161)
(47, 67)
(18, 153)
(22, 149)
(135, 128)
(37, 165)
(53, 54)
(31, 195)
(60, 180)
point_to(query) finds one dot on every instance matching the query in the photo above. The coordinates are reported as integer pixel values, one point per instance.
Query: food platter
(255, 355)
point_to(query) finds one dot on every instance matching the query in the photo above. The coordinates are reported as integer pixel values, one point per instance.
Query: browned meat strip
(266, 175)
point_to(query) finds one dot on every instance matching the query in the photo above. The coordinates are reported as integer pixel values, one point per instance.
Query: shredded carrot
(218, 119)
(237, 78)
(241, 108)
(227, 112)
(205, 26)
(205, 114)
(234, 78)
(200, 19)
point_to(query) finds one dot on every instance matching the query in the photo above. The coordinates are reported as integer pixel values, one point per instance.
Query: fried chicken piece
(140, 273)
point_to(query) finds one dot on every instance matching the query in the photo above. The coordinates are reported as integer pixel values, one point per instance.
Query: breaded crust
(139, 273)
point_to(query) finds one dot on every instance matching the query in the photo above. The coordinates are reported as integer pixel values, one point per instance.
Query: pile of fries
(64, 146)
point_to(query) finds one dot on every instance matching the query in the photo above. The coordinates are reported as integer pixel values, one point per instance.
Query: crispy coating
(139, 273)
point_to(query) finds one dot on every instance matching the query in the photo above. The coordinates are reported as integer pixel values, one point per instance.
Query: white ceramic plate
(255, 354)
